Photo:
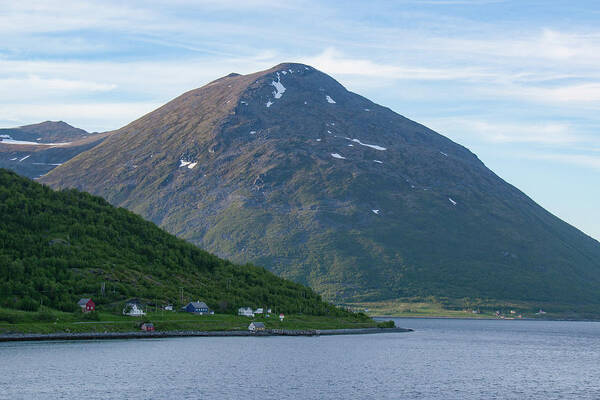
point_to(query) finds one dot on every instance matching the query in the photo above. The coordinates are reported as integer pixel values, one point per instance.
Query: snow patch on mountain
(279, 88)
(336, 155)
(375, 212)
(329, 99)
(378, 162)
(452, 201)
(373, 146)
(11, 141)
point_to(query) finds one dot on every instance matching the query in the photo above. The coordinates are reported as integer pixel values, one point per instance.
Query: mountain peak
(47, 125)
(47, 131)
(288, 169)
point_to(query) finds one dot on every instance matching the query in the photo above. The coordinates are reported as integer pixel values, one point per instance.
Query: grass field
(464, 309)
(51, 321)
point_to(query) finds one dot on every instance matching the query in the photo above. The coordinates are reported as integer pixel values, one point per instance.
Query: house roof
(258, 324)
(198, 304)
(83, 302)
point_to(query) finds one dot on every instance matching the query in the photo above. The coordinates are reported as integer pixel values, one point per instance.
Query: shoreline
(25, 337)
(491, 318)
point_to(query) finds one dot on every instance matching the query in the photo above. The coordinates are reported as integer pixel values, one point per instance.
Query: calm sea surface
(442, 359)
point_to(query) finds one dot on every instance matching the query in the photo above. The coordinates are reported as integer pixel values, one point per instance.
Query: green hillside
(56, 247)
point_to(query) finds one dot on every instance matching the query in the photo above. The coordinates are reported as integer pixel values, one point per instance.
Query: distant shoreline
(24, 337)
(487, 318)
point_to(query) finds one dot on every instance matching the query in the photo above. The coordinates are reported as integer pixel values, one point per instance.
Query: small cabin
(197, 307)
(246, 312)
(147, 327)
(258, 311)
(256, 327)
(133, 310)
(86, 305)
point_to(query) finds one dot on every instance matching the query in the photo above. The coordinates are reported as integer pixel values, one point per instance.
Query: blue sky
(518, 84)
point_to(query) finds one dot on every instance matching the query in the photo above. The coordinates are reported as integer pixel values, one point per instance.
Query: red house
(86, 305)
(147, 326)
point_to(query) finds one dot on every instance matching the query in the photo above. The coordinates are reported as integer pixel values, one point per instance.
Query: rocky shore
(16, 337)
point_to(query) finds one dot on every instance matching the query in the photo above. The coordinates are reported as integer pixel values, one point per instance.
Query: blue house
(197, 307)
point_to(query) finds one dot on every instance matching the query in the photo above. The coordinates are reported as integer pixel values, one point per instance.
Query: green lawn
(51, 321)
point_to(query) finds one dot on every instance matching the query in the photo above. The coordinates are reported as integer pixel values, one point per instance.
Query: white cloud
(333, 61)
(89, 116)
(39, 85)
(581, 160)
(544, 133)
(581, 93)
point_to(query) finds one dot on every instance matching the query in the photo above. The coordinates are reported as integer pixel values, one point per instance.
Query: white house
(133, 310)
(258, 311)
(256, 326)
(245, 311)
(168, 307)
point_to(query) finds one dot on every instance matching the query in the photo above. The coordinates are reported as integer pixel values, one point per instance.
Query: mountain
(287, 169)
(57, 247)
(44, 132)
(33, 150)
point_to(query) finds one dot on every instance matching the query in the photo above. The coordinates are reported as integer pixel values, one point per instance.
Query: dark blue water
(442, 359)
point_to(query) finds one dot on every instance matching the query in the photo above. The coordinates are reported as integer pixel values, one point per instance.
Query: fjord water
(441, 359)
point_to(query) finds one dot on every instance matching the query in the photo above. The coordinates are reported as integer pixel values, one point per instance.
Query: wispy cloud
(89, 116)
(42, 85)
(543, 133)
(581, 160)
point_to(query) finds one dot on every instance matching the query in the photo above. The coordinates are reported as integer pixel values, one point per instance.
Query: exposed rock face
(287, 169)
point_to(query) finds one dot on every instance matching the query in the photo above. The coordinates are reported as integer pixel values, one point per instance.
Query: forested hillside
(56, 247)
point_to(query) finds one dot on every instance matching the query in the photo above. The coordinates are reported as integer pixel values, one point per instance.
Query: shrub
(28, 304)
(386, 324)
(91, 316)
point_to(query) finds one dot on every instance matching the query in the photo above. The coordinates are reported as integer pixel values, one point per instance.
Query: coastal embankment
(17, 337)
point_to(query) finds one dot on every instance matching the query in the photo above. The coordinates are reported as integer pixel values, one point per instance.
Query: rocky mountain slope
(288, 169)
(33, 150)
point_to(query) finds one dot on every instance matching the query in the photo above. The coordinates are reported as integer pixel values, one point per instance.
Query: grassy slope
(450, 308)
